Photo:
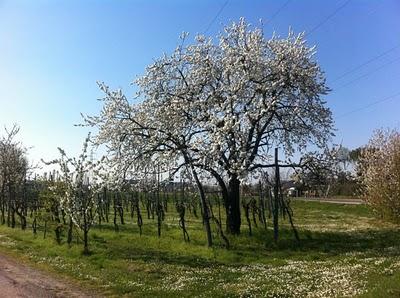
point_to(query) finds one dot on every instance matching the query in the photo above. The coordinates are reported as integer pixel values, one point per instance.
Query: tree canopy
(220, 106)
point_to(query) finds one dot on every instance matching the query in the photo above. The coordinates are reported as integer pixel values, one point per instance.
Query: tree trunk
(3, 204)
(85, 234)
(232, 205)
(58, 228)
(3, 218)
(85, 242)
(70, 227)
(276, 198)
(34, 225)
(203, 203)
(206, 215)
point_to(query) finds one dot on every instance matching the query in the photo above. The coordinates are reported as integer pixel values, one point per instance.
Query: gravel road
(332, 200)
(18, 280)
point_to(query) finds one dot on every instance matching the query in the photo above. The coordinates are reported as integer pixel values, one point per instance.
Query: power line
(277, 12)
(367, 74)
(366, 62)
(216, 16)
(320, 24)
(369, 105)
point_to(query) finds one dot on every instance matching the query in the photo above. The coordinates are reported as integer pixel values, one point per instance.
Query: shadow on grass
(261, 248)
(368, 242)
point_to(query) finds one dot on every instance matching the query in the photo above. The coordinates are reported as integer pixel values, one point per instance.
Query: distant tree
(379, 168)
(14, 169)
(326, 174)
(343, 157)
(355, 154)
(315, 178)
(344, 181)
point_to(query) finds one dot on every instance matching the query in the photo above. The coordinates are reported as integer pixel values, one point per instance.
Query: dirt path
(18, 280)
(333, 200)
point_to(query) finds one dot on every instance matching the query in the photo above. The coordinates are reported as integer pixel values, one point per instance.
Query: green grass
(344, 251)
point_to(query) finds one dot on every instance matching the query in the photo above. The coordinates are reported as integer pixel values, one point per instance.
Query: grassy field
(344, 251)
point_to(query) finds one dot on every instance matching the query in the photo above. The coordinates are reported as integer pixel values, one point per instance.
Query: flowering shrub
(379, 169)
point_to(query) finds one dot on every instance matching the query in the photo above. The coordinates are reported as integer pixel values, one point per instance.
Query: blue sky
(53, 52)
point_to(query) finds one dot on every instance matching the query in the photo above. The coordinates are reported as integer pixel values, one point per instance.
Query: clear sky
(53, 52)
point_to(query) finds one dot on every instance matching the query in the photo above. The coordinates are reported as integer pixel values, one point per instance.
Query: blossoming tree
(82, 181)
(220, 107)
